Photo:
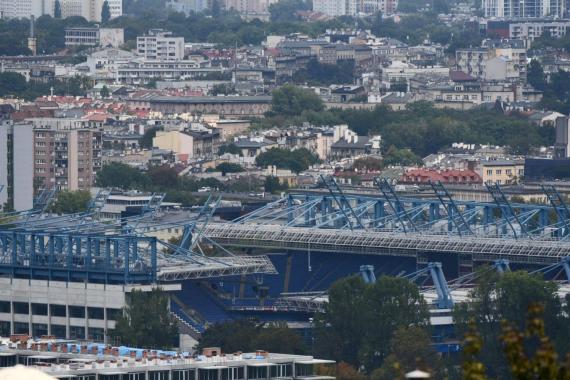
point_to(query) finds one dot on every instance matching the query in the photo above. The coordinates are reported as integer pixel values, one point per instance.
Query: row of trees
(556, 90)
(382, 327)
(14, 84)
(421, 127)
(296, 160)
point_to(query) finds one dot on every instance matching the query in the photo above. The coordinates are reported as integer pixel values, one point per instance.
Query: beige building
(176, 141)
(90, 9)
(501, 172)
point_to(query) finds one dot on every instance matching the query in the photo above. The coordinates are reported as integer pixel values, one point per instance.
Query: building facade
(509, 9)
(94, 36)
(336, 8)
(26, 8)
(160, 45)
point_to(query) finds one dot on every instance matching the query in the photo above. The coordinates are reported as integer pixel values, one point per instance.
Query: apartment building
(160, 45)
(67, 154)
(94, 36)
(90, 9)
(335, 8)
(47, 153)
(18, 191)
(510, 9)
(501, 172)
(25, 8)
(503, 60)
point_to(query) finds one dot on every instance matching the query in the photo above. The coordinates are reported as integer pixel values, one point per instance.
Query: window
(490, 172)
(256, 372)
(4, 329)
(114, 314)
(58, 331)
(182, 374)
(39, 329)
(207, 374)
(509, 171)
(76, 311)
(39, 309)
(21, 308)
(96, 313)
(76, 332)
(134, 376)
(282, 370)
(4, 308)
(21, 328)
(95, 333)
(158, 375)
(57, 310)
(498, 172)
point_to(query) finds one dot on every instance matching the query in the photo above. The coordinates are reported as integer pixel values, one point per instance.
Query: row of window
(59, 310)
(59, 331)
(507, 172)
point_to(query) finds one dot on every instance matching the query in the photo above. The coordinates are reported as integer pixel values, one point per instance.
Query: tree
(273, 185)
(146, 321)
(296, 160)
(292, 101)
(360, 319)
(57, 9)
(367, 164)
(247, 335)
(404, 157)
(149, 135)
(286, 10)
(228, 167)
(104, 92)
(410, 349)
(105, 13)
(535, 75)
(71, 202)
(164, 177)
(120, 175)
(229, 148)
(508, 297)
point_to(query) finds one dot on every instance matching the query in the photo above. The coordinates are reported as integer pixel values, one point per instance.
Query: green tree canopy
(105, 12)
(228, 167)
(146, 321)
(247, 335)
(360, 319)
(507, 296)
(292, 101)
(149, 134)
(71, 202)
(296, 160)
(229, 148)
(273, 185)
(120, 175)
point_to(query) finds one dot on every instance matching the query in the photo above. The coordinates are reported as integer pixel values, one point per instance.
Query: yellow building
(502, 172)
(176, 141)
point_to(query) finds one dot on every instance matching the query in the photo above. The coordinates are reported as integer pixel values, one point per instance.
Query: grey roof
(210, 99)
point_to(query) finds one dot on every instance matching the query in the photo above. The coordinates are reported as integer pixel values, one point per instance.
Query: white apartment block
(530, 30)
(336, 8)
(160, 45)
(90, 9)
(25, 8)
(523, 9)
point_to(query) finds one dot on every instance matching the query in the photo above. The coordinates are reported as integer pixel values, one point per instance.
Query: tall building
(354, 7)
(90, 9)
(18, 193)
(51, 153)
(160, 45)
(524, 8)
(499, 60)
(188, 6)
(26, 8)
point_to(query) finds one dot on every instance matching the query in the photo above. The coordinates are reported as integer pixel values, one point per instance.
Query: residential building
(18, 190)
(25, 8)
(510, 9)
(503, 60)
(187, 6)
(142, 71)
(336, 8)
(225, 106)
(502, 172)
(189, 143)
(450, 176)
(250, 8)
(528, 29)
(90, 9)
(160, 45)
(67, 153)
(94, 36)
(351, 145)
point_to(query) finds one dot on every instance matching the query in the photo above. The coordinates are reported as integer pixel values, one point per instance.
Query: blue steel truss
(78, 257)
(341, 201)
(395, 204)
(559, 206)
(509, 214)
(453, 212)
